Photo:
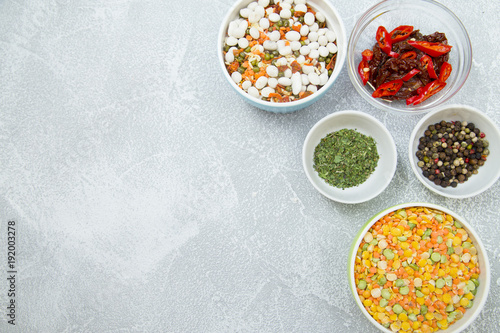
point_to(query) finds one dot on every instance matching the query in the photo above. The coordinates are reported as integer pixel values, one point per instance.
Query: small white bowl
(487, 174)
(484, 276)
(367, 125)
(334, 22)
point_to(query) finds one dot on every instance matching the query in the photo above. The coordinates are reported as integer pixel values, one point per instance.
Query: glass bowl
(427, 16)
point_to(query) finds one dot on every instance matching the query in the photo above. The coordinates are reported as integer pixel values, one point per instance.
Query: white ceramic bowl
(334, 22)
(487, 174)
(367, 125)
(484, 276)
(426, 15)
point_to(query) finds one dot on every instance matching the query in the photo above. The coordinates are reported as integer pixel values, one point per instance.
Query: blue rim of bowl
(356, 81)
(362, 231)
(289, 106)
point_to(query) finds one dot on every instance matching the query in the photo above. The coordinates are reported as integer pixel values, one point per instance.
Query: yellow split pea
(417, 270)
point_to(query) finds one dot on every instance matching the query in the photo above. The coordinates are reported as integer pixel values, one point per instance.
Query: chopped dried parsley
(345, 158)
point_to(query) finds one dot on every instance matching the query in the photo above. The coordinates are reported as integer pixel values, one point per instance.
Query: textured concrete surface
(149, 197)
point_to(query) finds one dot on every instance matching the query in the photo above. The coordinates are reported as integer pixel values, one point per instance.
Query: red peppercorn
(482, 135)
(483, 157)
(437, 171)
(443, 140)
(436, 160)
(467, 160)
(472, 151)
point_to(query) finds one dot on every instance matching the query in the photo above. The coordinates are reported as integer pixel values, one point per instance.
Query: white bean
(246, 84)
(305, 79)
(332, 48)
(300, 7)
(320, 16)
(266, 91)
(231, 41)
(240, 32)
(314, 54)
(313, 36)
(331, 36)
(285, 13)
(301, 59)
(243, 43)
(244, 12)
(243, 25)
(303, 88)
(314, 27)
(295, 45)
(299, 2)
(272, 82)
(274, 17)
(285, 81)
(313, 78)
(252, 5)
(264, 23)
(296, 83)
(233, 25)
(286, 4)
(274, 36)
(292, 35)
(309, 18)
(288, 72)
(323, 51)
(253, 17)
(254, 32)
(236, 76)
(322, 40)
(230, 55)
(314, 45)
(304, 50)
(284, 51)
(263, 3)
(261, 82)
(304, 30)
(312, 88)
(322, 31)
(323, 78)
(254, 92)
(260, 11)
(307, 69)
(272, 71)
(270, 45)
(281, 62)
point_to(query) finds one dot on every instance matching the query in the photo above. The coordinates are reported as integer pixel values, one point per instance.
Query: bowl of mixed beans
(281, 55)
(419, 267)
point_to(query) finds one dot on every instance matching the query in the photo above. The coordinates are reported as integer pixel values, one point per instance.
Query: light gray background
(150, 198)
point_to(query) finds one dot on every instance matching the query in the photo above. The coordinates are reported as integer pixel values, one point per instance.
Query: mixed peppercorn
(450, 152)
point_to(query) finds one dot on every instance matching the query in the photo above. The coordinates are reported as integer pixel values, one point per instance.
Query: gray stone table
(148, 197)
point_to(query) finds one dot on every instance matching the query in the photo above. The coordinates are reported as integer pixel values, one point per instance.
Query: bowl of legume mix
(281, 55)
(408, 56)
(349, 157)
(454, 151)
(419, 267)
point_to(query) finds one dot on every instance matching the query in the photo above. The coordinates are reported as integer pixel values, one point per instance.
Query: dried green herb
(345, 158)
